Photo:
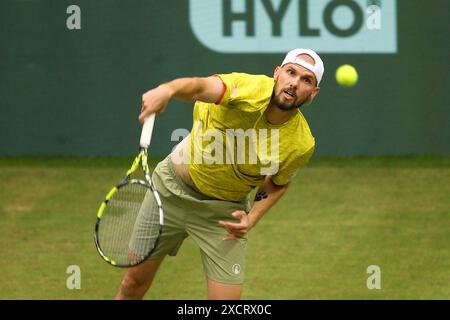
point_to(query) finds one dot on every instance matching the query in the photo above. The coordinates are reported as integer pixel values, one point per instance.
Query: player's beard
(285, 106)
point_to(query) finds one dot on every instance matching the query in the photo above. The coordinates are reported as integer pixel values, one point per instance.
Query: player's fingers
(235, 234)
(239, 214)
(162, 109)
(143, 103)
(229, 237)
(238, 226)
(145, 112)
(142, 117)
(226, 226)
(232, 226)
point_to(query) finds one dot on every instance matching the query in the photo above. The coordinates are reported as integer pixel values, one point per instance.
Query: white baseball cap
(317, 68)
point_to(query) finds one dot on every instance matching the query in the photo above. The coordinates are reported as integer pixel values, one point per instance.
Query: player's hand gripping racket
(130, 219)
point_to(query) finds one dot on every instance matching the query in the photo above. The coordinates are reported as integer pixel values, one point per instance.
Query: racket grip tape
(147, 130)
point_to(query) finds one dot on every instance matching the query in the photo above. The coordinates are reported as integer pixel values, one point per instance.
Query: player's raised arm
(208, 89)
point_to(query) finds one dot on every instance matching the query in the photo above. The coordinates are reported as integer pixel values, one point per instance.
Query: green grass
(338, 217)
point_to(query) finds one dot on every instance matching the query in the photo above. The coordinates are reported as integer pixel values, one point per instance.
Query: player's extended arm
(208, 89)
(267, 195)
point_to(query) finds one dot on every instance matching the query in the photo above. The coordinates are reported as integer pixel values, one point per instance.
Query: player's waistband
(187, 188)
(167, 167)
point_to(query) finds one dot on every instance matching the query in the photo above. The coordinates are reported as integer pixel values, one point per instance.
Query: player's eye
(307, 80)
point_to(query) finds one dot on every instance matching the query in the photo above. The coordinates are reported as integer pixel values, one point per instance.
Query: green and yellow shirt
(221, 165)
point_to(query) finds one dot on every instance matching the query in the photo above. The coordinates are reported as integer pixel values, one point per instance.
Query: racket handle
(147, 129)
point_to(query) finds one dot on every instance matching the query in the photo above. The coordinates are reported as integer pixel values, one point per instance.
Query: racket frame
(141, 159)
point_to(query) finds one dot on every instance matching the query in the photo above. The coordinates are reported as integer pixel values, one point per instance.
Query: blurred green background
(78, 92)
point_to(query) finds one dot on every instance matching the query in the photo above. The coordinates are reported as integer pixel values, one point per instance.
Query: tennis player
(208, 199)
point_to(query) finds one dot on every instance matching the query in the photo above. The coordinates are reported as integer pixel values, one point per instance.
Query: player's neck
(275, 115)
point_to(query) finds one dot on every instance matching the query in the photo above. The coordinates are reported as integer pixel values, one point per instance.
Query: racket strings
(130, 225)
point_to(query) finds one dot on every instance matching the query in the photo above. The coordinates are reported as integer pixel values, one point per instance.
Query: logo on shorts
(236, 268)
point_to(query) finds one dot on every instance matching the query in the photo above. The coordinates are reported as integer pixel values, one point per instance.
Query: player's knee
(131, 285)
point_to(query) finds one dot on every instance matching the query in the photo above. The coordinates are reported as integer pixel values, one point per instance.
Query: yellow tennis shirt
(233, 147)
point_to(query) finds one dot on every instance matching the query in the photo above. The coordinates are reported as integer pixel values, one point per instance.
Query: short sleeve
(230, 82)
(290, 168)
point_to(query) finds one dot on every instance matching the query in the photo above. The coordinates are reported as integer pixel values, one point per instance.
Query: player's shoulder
(247, 88)
(247, 78)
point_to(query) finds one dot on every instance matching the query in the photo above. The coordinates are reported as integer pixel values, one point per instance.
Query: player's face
(294, 85)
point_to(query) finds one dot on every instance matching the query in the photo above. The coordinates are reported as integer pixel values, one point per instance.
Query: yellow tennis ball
(346, 75)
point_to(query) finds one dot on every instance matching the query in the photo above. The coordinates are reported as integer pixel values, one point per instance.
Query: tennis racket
(130, 219)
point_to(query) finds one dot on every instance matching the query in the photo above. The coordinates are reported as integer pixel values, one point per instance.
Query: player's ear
(315, 92)
(312, 96)
(276, 72)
